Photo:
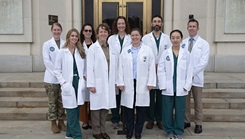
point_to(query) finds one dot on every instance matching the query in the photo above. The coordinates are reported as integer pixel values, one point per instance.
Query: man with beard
(159, 42)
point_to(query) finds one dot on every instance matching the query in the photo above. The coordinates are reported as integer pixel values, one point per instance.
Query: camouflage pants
(55, 110)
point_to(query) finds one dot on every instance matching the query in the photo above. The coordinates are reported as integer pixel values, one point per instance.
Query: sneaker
(170, 136)
(68, 137)
(115, 125)
(179, 137)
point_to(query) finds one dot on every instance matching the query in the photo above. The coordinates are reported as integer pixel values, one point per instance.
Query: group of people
(153, 75)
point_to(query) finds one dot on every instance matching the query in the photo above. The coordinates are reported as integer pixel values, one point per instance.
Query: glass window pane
(135, 14)
(110, 11)
(89, 11)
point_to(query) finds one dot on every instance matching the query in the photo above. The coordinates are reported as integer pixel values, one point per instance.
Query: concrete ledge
(38, 64)
(229, 63)
(15, 64)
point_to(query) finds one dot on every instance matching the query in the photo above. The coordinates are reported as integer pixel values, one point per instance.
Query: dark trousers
(131, 122)
(116, 117)
(154, 112)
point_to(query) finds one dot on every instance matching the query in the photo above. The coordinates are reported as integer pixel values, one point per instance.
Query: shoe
(85, 126)
(159, 125)
(187, 125)
(179, 137)
(61, 125)
(98, 136)
(54, 127)
(68, 137)
(105, 136)
(170, 136)
(115, 125)
(198, 129)
(137, 136)
(149, 125)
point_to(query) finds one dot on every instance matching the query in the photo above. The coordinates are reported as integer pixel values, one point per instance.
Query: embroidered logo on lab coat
(129, 50)
(51, 48)
(167, 58)
(183, 45)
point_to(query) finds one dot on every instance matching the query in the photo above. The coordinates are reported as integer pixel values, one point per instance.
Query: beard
(157, 28)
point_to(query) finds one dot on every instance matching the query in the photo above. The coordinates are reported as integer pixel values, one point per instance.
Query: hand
(149, 87)
(92, 89)
(121, 88)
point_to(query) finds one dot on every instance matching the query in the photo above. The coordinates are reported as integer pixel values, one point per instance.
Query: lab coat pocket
(66, 89)
(98, 86)
(142, 85)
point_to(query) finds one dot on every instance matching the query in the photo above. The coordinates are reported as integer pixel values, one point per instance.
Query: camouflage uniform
(56, 110)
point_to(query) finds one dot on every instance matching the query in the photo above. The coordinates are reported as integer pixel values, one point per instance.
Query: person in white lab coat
(174, 79)
(159, 42)
(87, 38)
(101, 81)
(51, 84)
(117, 41)
(199, 49)
(69, 69)
(137, 76)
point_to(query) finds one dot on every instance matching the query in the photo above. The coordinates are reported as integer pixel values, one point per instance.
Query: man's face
(192, 29)
(156, 24)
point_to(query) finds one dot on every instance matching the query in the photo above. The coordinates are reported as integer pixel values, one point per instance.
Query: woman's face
(102, 35)
(73, 38)
(136, 37)
(121, 25)
(87, 32)
(56, 31)
(176, 38)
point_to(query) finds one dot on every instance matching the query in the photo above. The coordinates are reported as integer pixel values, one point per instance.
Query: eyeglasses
(86, 30)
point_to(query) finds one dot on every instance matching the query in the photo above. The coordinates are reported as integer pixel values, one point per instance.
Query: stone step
(40, 84)
(223, 93)
(27, 102)
(23, 113)
(21, 84)
(22, 92)
(215, 103)
(40, 92)
(210, 115)
(33, 102)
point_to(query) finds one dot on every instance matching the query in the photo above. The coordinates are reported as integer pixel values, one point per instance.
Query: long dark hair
(93, 37)
(114, 25)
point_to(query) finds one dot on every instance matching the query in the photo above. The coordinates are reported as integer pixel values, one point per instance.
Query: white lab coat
(64, 72)
(115, 47)
(50, 50)
(165, 72)
(97, 76)
(146, 76)
(165, 43)
(86, 90)
(200, 54)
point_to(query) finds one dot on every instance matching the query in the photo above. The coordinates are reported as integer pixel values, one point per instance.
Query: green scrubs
(173, 125)
(73, 125)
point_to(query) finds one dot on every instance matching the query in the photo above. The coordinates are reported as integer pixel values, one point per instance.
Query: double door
(137, 12)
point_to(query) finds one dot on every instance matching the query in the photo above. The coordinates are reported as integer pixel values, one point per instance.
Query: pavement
(41, 129)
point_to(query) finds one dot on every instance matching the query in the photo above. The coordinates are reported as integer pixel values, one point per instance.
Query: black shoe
(128, 136)
(198, 129)
(137, 136)
(187, 125)
(105, 136)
